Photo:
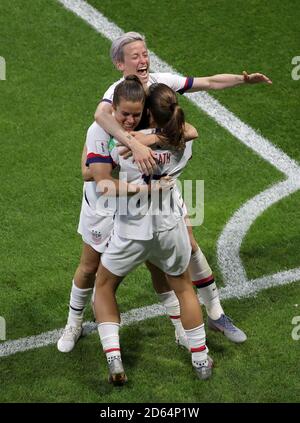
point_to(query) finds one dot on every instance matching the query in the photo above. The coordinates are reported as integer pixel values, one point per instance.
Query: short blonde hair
(117, 47)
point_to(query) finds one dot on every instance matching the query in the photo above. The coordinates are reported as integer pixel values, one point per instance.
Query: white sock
(209, 296)
(78, 300)
(109, 337)
(171, 303)
(207, 290)
(197, 343)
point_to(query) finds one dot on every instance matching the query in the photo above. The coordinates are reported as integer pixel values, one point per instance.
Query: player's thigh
(159, 280)
(172, 250)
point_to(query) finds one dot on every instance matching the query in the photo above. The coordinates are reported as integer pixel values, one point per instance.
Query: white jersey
(97, 213)
(138, 217)
(98, 143)
(178, 83)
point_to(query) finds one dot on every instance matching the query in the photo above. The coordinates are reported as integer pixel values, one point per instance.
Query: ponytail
(167, 114)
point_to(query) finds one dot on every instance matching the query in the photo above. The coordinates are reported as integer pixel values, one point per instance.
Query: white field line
(237, 284)
(49, 338)
(234, 232)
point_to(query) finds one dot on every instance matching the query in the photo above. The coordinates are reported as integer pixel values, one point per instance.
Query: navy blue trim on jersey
(106, 100)
(187, 86)
(86, 199)
(99, 160)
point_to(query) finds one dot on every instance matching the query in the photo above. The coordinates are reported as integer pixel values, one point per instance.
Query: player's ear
(120, 66)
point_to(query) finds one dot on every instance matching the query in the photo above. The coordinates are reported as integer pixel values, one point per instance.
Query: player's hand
(144, 158)
(163, 184)
(255, 78)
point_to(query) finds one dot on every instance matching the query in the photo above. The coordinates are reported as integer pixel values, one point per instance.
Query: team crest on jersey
(101, 147)
(96, 236)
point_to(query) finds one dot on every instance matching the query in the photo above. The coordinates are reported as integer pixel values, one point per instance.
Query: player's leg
(207, 290)
(171, 253)
(192, 321)
(120, 257)
(108, 319)
(82, 287)
(168, 299)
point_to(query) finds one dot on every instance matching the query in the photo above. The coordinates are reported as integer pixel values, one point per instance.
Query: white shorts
(181, 209)
(94, 229)
(170, 251)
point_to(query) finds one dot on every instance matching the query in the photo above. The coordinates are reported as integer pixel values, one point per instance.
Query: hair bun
(132, 78)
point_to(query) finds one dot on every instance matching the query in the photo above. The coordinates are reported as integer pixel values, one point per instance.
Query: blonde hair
(117, 47)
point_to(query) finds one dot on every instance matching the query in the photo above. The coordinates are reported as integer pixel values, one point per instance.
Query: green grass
(263, 369)
(57, 69)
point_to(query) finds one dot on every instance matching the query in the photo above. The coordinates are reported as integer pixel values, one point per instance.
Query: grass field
(57, 69)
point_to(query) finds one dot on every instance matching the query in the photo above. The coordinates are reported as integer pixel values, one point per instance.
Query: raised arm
(143, 156)
(219, 82)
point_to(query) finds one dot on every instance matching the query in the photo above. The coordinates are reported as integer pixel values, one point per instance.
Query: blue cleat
(224, 324)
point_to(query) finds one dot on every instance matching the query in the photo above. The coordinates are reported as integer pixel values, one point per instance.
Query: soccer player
(96, 221)
(161, 238)
(130, 56)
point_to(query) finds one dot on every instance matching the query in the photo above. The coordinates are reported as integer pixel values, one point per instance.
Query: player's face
(128, 114)
(136, 61)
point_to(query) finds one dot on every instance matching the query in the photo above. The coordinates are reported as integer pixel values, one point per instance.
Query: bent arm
(109, 186)
(190, 133)
(85, 170)
(142, 154)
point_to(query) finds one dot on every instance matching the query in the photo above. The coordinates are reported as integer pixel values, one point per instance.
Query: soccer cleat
(224, 324)
(70, 336)
(181, 340)
(204, 368)
(117, 374)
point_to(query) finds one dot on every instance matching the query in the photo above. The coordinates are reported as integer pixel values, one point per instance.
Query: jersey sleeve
(97, 145)
(178, 83)
(109, 94)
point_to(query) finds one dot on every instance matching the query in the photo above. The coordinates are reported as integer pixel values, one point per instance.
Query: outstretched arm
(143, 155)
(218, 82)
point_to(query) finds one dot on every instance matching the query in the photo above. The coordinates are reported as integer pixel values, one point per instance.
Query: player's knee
(89, 269)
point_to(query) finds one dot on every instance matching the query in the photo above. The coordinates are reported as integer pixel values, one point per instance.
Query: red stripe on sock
(205, 280)
(112, 349)
(174, 317)
(199, 349)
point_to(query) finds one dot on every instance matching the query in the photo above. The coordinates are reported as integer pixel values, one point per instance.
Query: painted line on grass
(237, 284)
(50, 338)
(234, 232)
